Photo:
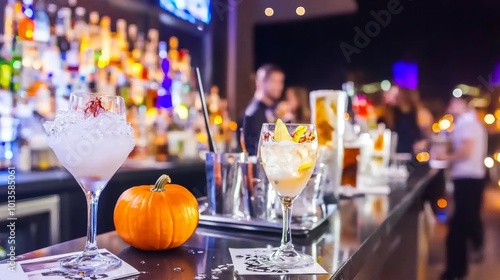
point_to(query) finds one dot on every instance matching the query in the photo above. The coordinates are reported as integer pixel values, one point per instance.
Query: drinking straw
(211, 145)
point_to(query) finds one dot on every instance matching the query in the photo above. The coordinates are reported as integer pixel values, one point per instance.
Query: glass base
(287, 260)
(90, 264)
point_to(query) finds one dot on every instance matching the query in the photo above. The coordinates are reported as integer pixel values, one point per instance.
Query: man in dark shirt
(269, 84)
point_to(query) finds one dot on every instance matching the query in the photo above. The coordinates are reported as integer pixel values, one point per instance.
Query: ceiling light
(300, 11)
(269, 12)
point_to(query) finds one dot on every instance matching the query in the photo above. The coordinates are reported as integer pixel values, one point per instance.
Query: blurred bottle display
(51, 50)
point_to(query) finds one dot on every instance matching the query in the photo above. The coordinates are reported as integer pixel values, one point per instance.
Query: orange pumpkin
(157, 217)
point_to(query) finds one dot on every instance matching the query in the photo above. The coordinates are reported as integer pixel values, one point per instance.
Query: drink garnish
(305, 166)
(299, 133)
(281, 132)
(94, 107)
(302, 135)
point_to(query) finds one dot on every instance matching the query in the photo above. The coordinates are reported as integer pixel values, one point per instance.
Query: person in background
(269, 83)
(409, 119)
(295, 107)
(469, 141)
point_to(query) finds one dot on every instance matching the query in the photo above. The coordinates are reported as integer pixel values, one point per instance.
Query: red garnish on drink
(267, 135)
(94, 107)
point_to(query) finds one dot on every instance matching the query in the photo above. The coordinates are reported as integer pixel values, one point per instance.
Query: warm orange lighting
(218, 119)
(423, 157)
(202, 137)
(101, 63)
(497, 114)
(346, 116)
(448, 117)
(435, 128)
(137, 69)
(29, 33)
(496, 156)
(442, 203)
(233, 126)
(151, 113)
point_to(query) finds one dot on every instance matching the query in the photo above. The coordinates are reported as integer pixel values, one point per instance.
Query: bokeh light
(300, 11)
(442, 203)
(269, 12)
(423, 157)
(457, 92)
(489, 162)
(444, 124)
(489, 119)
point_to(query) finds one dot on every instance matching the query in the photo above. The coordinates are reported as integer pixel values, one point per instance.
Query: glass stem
(92, 203)
(286, 237)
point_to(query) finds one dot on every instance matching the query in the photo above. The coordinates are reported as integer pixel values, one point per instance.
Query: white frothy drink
(90, 148)
(289, 165)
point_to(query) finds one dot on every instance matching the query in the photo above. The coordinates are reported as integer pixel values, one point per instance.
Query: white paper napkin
(47, 268)
(246, 263)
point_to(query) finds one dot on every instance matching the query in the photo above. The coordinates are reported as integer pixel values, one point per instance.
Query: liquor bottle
(5, 73)
(51, 58)
(16, 65)
(161, 141)
(120, 50)
(62, 41)
(121, 36)
(94, 37)
(105, 40)
(132, 36)
(65, 14)
(52, 13)
(80, 25)
(42, 23)
(8, 40)
(379, 141)
(9, 23)
(72, 7)
(26, 26)
(151, 54)
(73, 58)
(379, 145)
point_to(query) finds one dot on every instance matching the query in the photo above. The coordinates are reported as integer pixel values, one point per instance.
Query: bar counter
(371, 237)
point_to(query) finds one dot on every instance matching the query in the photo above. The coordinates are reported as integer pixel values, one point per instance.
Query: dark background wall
(452, 41)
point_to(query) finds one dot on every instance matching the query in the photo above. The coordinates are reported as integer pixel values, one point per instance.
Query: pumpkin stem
(161, 182)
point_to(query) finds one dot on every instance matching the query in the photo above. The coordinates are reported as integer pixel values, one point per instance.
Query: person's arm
(465, 151)
(425, 121)
(466, 136)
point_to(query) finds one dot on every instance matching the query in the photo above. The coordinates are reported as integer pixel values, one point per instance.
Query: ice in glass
(288, 153)
(91, 140)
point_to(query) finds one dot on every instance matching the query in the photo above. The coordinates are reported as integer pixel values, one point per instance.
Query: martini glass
(288, 161)
(91, 140)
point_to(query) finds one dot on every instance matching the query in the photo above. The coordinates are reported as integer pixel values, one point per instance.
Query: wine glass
(91, 140)
(288, 153)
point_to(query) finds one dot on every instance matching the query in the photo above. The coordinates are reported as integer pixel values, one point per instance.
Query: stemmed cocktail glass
(91, 140)
(288, 153)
